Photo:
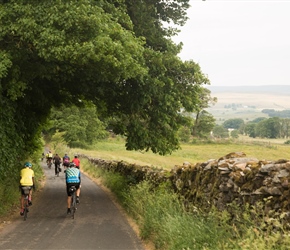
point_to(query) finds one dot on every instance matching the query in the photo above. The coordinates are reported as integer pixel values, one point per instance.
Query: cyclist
(76, 161)
(26, 180)
(73, 178)
(57, 162)
(65, 161)
(49, 157)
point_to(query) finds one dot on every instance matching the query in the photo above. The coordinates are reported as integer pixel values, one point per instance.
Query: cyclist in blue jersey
(73, 178)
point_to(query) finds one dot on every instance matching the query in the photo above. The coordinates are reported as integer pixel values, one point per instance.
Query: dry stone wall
(218, 182)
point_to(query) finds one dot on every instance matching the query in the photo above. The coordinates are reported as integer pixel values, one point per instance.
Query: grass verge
(163, 220)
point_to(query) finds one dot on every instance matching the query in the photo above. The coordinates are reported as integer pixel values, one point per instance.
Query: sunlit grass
(193, 153)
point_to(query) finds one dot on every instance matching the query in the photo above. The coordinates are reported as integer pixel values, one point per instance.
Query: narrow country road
(98, 223)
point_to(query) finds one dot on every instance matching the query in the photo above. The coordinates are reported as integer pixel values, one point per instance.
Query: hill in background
(247, 102)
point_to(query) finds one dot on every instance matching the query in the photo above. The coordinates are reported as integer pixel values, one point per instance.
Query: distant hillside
(267, 89)
(247, 102)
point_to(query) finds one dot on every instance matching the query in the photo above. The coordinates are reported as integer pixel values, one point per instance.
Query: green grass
(193, 153)
(160, 214)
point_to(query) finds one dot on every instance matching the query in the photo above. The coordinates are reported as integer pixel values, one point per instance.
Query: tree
(149, 16)
(235, 123)
(268, 128)
(68, 52)
(206, 123)
(202, 97)
(184, 133)
(220, 132)
(78, 125)
(257, 120)
(285, 128)
(235, 134)
(250, 129)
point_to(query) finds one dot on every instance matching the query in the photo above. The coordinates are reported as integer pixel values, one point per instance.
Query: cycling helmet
(28, 164)
(72, 165)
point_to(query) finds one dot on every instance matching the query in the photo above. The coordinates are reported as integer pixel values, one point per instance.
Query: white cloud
(239, 42)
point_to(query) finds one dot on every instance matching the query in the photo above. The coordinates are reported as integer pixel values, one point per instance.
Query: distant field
(261, 101)
(262, 150)
(247, 101)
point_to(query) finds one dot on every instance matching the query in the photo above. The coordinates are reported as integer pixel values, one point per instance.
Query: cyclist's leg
(68, 201)
(78, 192)
(68, 198)
(30, 197)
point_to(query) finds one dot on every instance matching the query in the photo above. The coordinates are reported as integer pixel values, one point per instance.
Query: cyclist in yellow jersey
(26, 180)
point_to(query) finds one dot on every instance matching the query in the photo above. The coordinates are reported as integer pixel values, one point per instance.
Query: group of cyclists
(72, 177)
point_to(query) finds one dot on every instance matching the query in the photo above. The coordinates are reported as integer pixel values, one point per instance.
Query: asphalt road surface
(98, 223)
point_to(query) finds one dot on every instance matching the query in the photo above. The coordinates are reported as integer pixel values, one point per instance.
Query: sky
(239, 42)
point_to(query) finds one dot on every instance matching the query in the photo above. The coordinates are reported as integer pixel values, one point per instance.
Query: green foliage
(235, 134)
(148, 18)
(9, 187)
(275, 113)
(205, 125)
(269, 128)
(9, 195)
(250, 129)
(77, 125)
(161, 216)
(233, 123)
(220, 132)
(117, 55)
(184, 134)
(115, 182)
(257, 120)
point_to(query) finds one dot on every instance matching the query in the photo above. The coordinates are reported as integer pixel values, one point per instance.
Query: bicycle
(26, 205)
(73, 206)
(49, 163)
(58, 170)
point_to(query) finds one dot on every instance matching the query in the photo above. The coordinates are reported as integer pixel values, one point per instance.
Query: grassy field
(193, 153)
(246, 101)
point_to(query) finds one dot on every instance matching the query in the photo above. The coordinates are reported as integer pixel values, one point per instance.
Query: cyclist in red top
(76, 161)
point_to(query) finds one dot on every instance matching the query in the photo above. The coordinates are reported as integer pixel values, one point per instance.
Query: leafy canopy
(116, 54)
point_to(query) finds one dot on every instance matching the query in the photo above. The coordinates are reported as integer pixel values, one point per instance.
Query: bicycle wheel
(25, 208)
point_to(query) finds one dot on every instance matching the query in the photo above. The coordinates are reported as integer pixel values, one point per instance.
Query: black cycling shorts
(22, 191)
(68, 185)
